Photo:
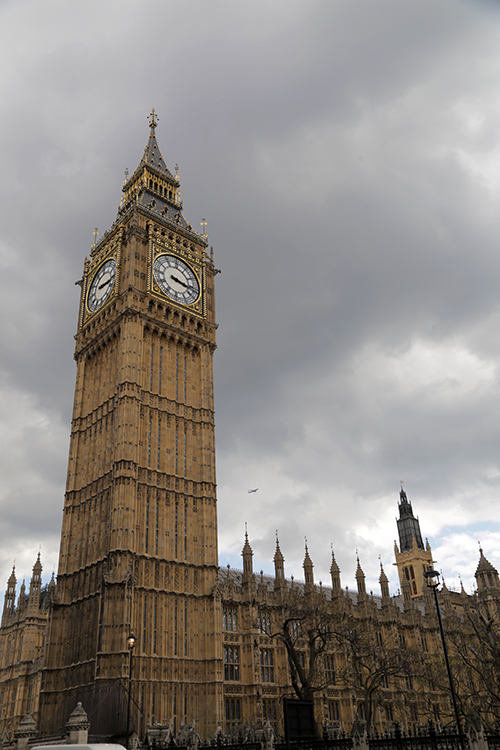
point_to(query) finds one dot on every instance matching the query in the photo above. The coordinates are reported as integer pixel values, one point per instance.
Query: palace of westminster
(138, 549)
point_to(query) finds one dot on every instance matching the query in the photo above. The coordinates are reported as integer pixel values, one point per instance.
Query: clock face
(176, 279)
(102, 286)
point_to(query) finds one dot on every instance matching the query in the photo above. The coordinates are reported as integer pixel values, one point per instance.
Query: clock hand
(179, 281)
(104, 283)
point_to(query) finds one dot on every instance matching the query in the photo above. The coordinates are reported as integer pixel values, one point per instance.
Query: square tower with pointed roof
(139, 534)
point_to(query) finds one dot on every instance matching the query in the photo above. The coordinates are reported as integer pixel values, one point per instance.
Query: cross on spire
(153, 118)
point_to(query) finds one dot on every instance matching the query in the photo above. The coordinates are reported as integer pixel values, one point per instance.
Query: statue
(267, 740)
(169, 735)
(193, 740)
(182, 739)
(474, 730)
(219, 736)
(359, 736)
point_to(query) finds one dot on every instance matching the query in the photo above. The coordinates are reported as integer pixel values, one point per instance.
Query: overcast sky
(346, 154)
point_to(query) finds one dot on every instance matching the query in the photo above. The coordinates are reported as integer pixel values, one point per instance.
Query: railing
(430, 740)
(398, 740)
(493, 740)
(335, 743)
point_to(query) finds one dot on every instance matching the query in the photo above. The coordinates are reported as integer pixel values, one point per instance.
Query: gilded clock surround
(158, 249)
(109, 250)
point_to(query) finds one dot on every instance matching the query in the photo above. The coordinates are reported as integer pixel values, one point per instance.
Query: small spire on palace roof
(334, 568)
(278, 555)
(246, 547)
(383, 576)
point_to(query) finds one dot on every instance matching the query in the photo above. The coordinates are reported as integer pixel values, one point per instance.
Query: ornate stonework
(141, 496)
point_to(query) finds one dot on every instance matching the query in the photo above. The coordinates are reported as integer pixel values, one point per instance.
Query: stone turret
(335, 575)
(360, 580)
(25, 732)
(10, 595)
(308, 572)
(52, 589)
(384, 586)
(77, 727)
(406, 592)
(486, 575)
(279, 566)
(22, 601)
(247, 554)
(35, 584)
(446, 598)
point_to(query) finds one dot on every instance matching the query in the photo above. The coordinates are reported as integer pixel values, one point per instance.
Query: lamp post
(432, 577)
(130, 644)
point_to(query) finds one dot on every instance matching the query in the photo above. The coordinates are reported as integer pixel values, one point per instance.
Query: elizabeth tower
(139, 532)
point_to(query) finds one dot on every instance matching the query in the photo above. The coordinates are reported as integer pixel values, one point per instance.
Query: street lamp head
(131, 641)
(432, 577)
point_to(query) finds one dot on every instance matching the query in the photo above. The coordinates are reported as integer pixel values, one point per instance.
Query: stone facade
(139, 534)
(22, 647)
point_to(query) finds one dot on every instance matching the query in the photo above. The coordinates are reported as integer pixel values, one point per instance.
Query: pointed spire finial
(153, 118)
(402, 493)
(203, 224)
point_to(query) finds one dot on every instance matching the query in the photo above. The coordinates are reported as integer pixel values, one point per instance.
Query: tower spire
(10, 594)
(152, 155)
(360, 580)
(35, 584)
(247, 554)
(335, 575)
(408, 525)
(308, 572)
(279, 567)
(384, 585)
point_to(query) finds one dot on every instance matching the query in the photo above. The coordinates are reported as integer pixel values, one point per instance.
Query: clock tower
(139, 533)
